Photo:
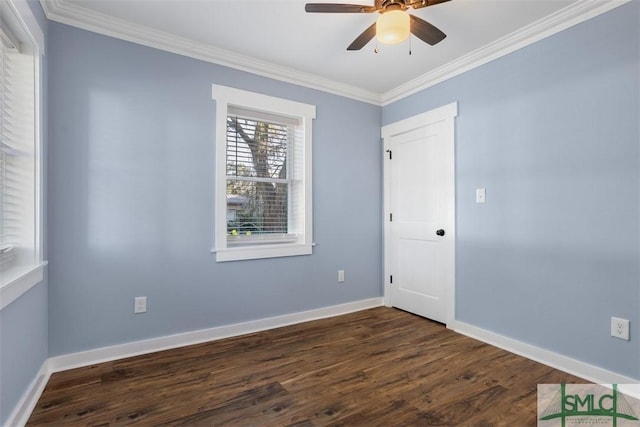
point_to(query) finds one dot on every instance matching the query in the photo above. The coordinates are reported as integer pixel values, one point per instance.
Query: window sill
(261, 251)
(20, 282)
(258, 240)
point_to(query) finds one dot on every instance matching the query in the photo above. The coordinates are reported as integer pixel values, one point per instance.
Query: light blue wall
(24, 323)
(131, 183)
(23, 346)
(552, 132)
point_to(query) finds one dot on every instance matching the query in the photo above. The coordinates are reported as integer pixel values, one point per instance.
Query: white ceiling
(277, 38)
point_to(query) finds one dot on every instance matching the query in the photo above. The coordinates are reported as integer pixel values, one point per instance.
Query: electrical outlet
(620, 328)
(139, 305)
(340, 276)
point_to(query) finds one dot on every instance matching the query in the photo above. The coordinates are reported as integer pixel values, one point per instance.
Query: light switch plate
(480, 195)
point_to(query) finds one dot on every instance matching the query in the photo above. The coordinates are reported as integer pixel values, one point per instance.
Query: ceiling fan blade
(363, 38)
(338, 8)
(418, 4)
(425, 31)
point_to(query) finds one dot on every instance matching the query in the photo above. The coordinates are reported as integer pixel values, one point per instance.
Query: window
(263, 176)
(20, 257)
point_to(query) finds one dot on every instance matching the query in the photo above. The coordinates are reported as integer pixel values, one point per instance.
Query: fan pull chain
(375, 49)
(409, 45)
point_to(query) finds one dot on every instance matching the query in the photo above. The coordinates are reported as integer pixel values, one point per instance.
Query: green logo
(588, 404)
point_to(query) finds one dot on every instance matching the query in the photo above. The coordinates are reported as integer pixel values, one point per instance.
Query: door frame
(446, 114)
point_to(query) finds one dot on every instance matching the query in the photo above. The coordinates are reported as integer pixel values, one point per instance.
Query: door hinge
(390, 155)
(391, 278)
(390, 217)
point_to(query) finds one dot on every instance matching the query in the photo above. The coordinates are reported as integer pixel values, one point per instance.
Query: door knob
(440, 232)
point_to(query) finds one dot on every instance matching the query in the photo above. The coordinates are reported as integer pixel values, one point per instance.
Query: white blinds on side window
(17, 154)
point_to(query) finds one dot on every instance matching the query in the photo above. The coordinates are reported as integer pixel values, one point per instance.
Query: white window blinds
(18, 164)
(258, 177)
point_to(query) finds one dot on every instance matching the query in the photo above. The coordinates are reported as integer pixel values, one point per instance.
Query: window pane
(256, 149)
(257, 207)
(256, 154)
(17, 162)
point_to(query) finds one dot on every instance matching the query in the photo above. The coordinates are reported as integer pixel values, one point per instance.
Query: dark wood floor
(376, 367)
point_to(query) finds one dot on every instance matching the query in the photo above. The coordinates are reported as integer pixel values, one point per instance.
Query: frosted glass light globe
(393, 27)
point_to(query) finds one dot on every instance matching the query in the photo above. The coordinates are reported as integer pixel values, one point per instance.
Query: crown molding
(86, 19)
(77, 16)
(569, 16)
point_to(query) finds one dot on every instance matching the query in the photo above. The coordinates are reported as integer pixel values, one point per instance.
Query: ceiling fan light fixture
(393, 26)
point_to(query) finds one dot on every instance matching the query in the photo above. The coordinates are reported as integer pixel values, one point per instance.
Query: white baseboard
(571, 366)
(120, 351)
(27, 403)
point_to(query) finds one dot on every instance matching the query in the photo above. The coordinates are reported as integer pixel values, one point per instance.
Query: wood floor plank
(375, 367)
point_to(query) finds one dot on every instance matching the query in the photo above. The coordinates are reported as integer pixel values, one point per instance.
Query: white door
(420, 214)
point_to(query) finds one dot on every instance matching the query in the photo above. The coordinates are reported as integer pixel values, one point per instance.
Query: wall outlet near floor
(340, 276)
(620, 328)
(139, 305)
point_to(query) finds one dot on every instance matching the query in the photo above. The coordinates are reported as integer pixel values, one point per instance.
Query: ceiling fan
(394, 23)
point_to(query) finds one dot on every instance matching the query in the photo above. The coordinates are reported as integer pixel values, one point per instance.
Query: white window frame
(304, 113)
(16, 282)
